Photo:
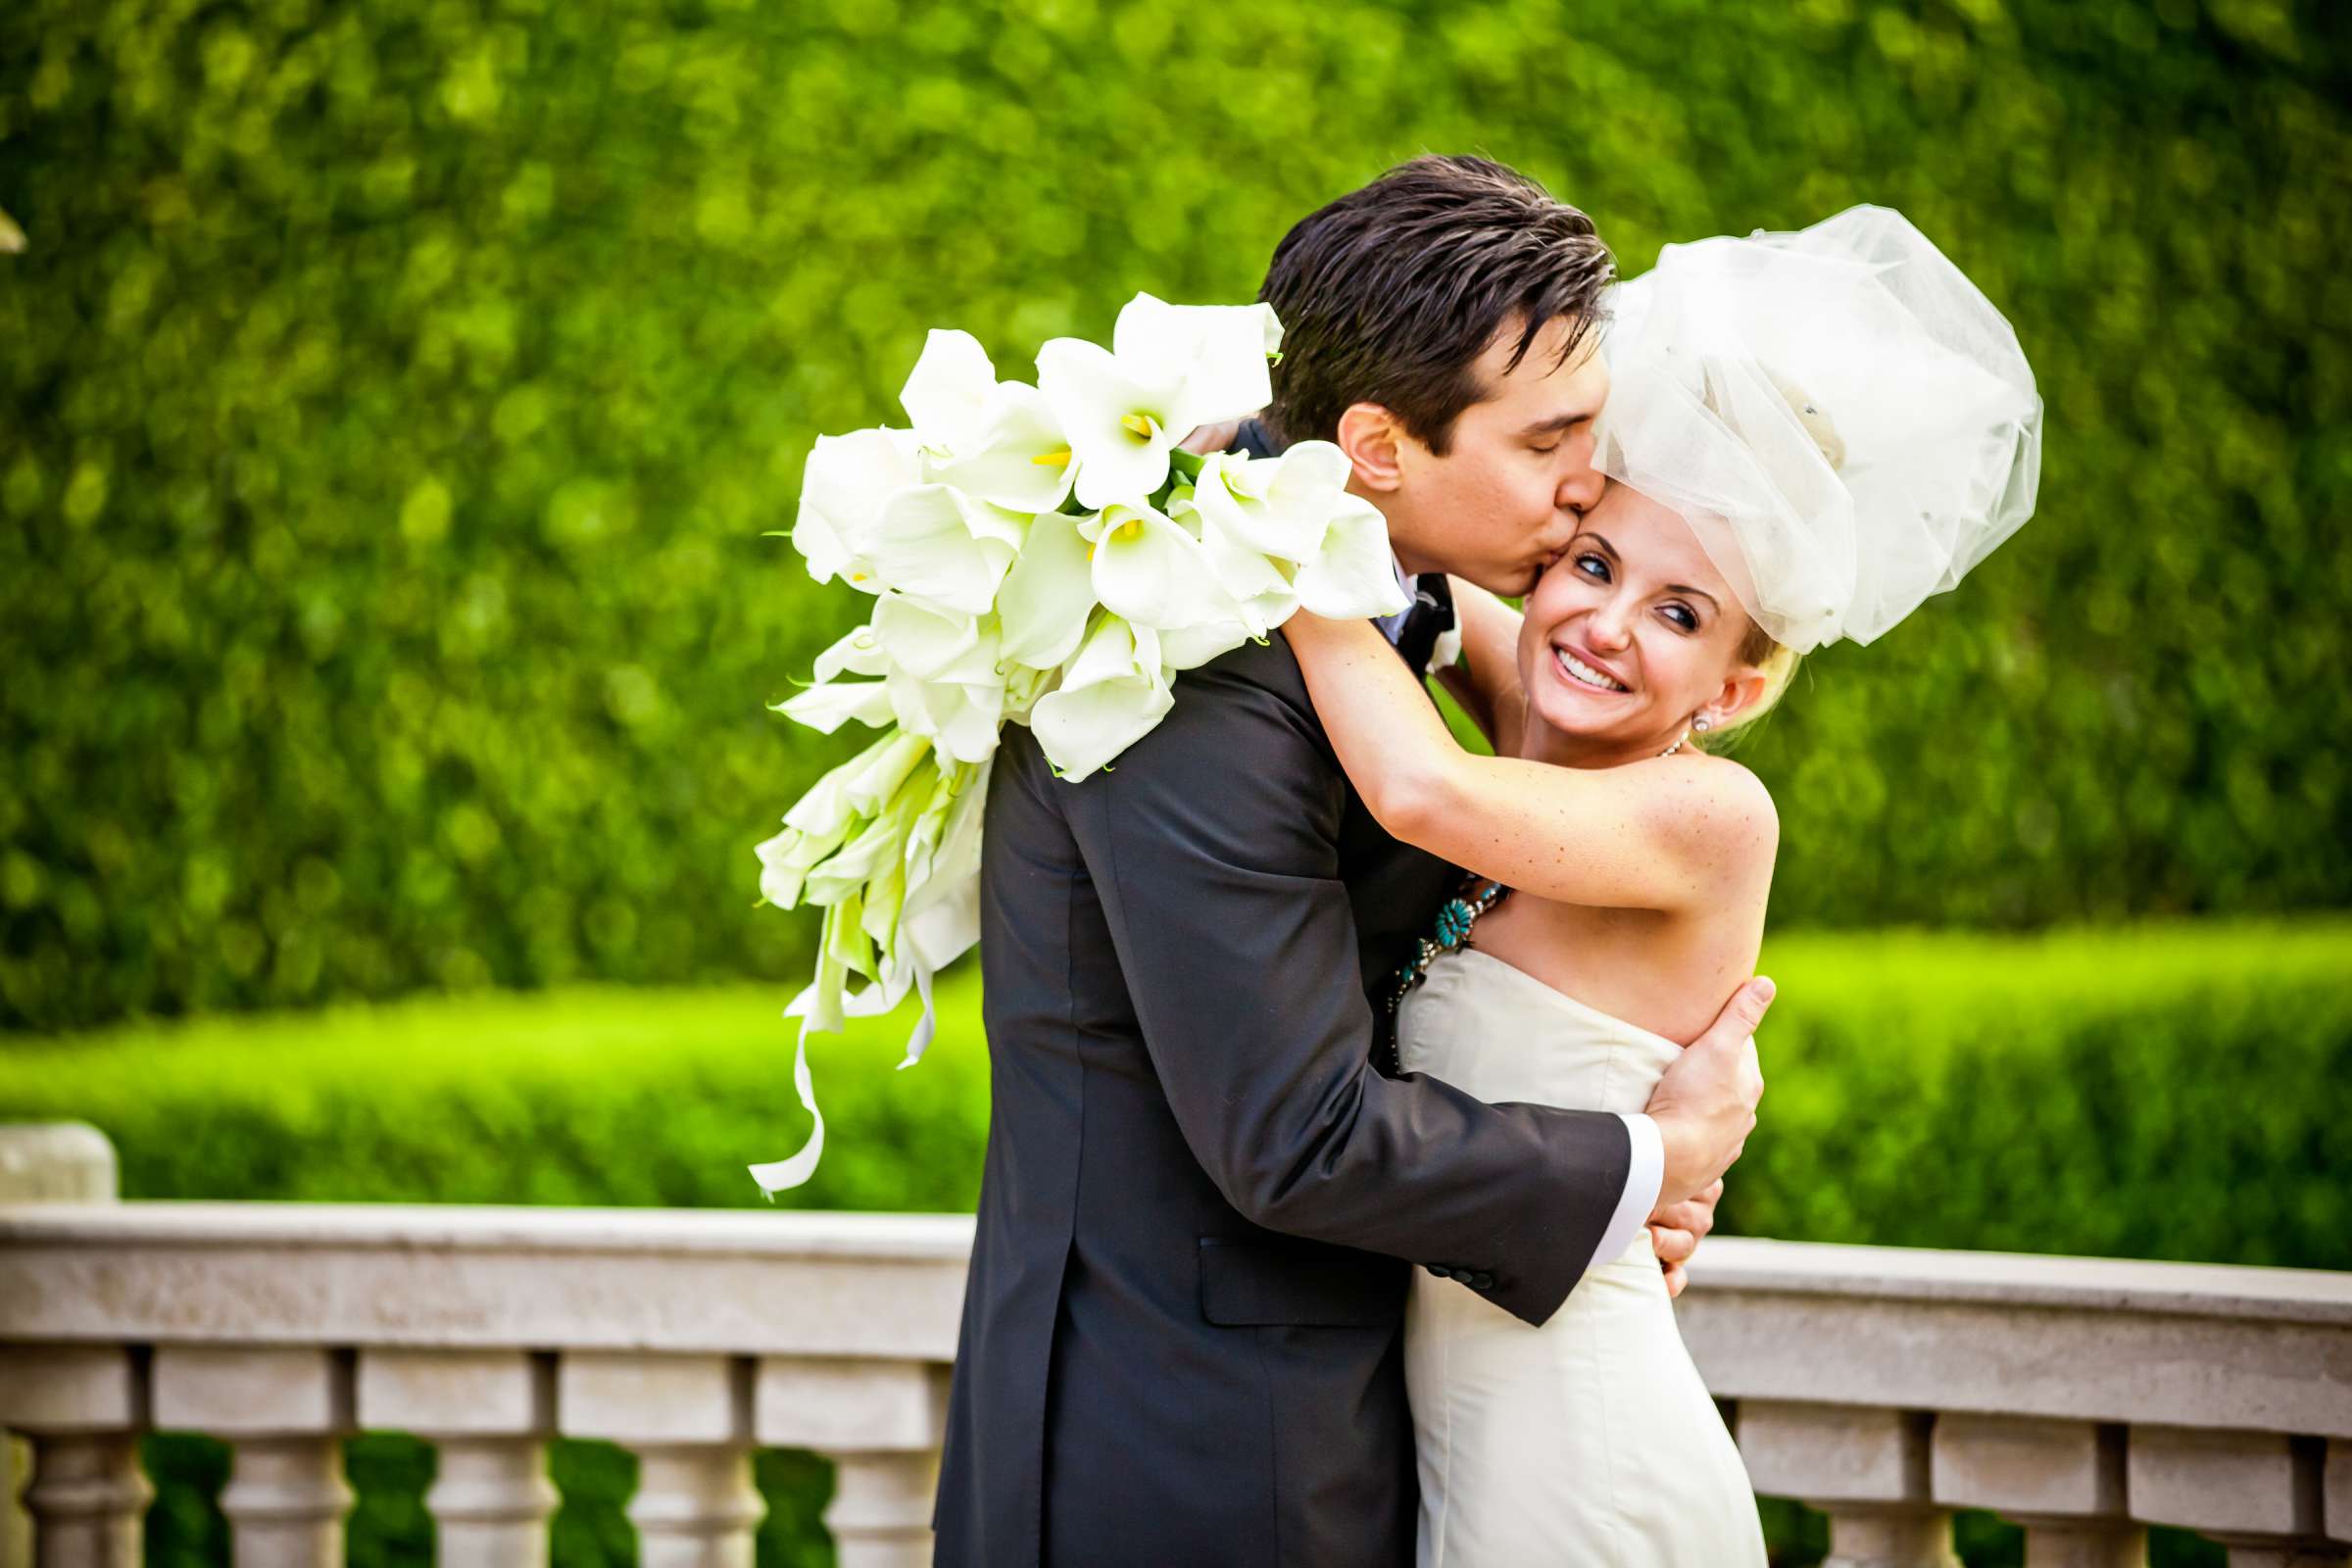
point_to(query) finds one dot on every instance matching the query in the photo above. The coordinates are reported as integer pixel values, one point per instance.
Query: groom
(1182, 1332)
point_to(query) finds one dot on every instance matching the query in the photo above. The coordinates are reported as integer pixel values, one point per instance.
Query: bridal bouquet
(1040, 555)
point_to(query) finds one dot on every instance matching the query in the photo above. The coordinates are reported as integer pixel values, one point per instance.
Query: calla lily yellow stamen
(1119, 523)
(1142, 425)
(1053, 459)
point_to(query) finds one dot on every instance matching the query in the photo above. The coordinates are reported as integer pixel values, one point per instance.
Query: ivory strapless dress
(1587, 1441)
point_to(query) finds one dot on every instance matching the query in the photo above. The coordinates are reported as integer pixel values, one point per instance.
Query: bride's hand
(1677, 1229)
(1209, 438)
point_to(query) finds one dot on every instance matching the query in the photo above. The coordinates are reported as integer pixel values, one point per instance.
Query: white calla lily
(1224, 351)
(1169, 369)
(842, 489)
(1260, 597)
(960, 704)
(919, 640)
(829, 705)
(941, 919)
(930, 826)
(1194, 646)
(1048, 593)
(1024, 686)
(1019, 458)
(881, 839)
(998, 524)
(857, 653)
(874, 776)
(949, 390)
(1148, 569)
(961, 719)
(951, 870)
(922, 544)
(1259, 584)
(970, 733)
(1121, 418)
(954, 856)
(826, 807)
(1353, 576)
(1275, 505)
(1112, 695)
(865, 851)
(901, 879)
(786, 860)
(820, 820)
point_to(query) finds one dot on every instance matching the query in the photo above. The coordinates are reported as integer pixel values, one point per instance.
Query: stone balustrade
(2085, 1400)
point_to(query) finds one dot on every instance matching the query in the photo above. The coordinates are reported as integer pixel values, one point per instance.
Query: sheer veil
(1841, 415)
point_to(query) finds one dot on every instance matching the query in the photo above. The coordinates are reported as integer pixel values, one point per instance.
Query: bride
(1808, 435)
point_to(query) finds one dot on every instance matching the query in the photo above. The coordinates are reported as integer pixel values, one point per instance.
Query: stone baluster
(2259, 1494)
(63, 1162)
(488, 1415)
(81, 1406)
(1868, 1469)
(284, 1414)
(16, 1524)
(2063, 1481)
(881, 1424)
(687, 1418)
(2335, 1491)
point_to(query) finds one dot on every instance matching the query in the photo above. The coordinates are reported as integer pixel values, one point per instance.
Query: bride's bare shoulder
(1733, 811)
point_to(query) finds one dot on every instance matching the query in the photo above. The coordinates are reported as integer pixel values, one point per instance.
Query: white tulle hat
(1844, 419)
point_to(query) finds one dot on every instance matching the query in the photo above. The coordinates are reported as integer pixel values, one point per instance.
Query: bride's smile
(1585, 673)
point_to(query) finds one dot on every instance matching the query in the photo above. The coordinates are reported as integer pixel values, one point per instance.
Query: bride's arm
(1486, 681)
(1650, 836)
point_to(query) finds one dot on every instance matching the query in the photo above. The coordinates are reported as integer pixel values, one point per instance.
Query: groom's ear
(1373, 439)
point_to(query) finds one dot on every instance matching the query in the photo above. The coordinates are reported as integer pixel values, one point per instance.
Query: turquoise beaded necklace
(1455, 917)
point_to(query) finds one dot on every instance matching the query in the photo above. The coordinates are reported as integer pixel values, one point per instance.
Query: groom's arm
(1212, 843)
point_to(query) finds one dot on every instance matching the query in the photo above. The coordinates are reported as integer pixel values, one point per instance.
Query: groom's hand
(1705, 1105)
(1677, 1229)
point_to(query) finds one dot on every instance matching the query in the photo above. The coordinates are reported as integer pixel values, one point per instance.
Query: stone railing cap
(1731, 1264)
(1725, 1264)
(460, 1227)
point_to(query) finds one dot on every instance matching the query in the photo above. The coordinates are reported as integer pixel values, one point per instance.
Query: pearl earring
(1702, 723)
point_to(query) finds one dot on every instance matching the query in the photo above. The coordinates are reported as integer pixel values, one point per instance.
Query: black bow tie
(1431, 617)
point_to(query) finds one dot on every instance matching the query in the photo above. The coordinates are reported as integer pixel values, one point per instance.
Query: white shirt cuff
(1645, 1175)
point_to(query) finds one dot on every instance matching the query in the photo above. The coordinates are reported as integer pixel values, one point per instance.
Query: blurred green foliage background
(395, 394)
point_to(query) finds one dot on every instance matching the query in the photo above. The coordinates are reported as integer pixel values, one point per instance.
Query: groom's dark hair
(1390, 294)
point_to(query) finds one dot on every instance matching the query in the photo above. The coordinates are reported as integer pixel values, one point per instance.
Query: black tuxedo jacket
(1181, 1339)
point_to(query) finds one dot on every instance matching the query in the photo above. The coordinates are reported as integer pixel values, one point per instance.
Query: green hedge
(585, 1094)
(2171, 1092)
(394, 397)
